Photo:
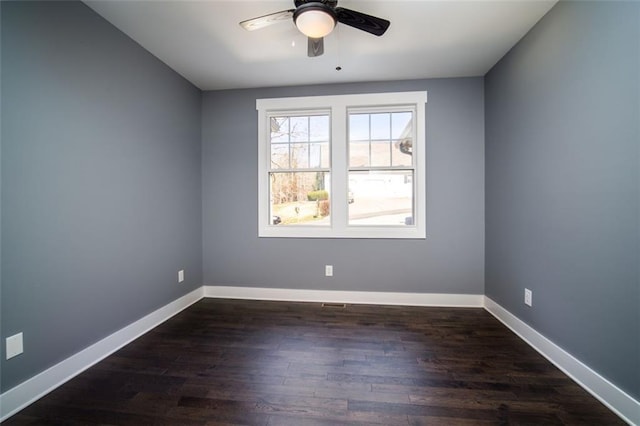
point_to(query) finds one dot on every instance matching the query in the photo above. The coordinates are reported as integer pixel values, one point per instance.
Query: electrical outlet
(181, 275)
(14, 345)
(328, 270)
(528, 297)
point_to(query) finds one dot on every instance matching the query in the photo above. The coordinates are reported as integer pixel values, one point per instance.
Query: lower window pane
(300, 198)
(381, 198)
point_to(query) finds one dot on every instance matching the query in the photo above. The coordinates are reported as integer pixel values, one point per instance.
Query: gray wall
(450, 260)
(1, 335)
(562, 183)
(101, 182)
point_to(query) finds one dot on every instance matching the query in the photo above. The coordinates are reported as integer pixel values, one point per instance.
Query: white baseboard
(355, 297)
(27, 392)
(626, 407)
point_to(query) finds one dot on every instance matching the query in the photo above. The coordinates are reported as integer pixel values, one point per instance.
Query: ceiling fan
(316, 19)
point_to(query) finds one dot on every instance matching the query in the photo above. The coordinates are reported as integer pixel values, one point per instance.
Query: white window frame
(338, 107)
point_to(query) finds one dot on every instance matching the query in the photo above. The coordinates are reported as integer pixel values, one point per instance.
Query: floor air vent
(334, 305)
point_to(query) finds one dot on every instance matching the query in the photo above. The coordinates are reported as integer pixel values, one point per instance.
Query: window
(348, 166)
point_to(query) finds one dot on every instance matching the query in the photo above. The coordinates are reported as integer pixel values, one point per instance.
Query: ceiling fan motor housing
(310, 23)
(330, 3)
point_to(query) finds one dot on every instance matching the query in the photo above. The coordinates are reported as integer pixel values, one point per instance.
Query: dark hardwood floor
(276, 363)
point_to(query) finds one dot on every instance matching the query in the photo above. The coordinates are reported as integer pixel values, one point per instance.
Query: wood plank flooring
(278, 363)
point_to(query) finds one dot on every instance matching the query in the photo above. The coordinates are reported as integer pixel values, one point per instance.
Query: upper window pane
(381, 126)
(299, 129)
(401, 154)
(319, 155)
(300, 156)
(280, 156)
(299, 142)
(401, 124)
(381, 139)
(279, 129)
(359, 127)
(380, 154)
(359, 154)
(319, 128)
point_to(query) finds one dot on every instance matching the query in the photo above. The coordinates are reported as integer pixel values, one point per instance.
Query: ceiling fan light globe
(315, 22)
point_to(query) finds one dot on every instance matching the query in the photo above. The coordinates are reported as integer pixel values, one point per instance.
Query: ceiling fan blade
(315, 47)
(371, 24)
(266, 20)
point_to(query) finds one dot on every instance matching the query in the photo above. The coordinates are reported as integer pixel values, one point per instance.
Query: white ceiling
(203, 42)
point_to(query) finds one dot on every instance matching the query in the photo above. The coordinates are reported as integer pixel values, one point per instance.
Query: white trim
(29, 391)
(338, 107)
(618, 401)
(320, 102)
(338, 296)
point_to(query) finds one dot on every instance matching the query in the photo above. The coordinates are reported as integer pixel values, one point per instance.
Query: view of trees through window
(299, 176)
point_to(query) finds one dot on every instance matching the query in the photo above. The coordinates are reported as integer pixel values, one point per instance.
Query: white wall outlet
(181, 275)
(328, 270)
(528, 297)
(14, 345)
